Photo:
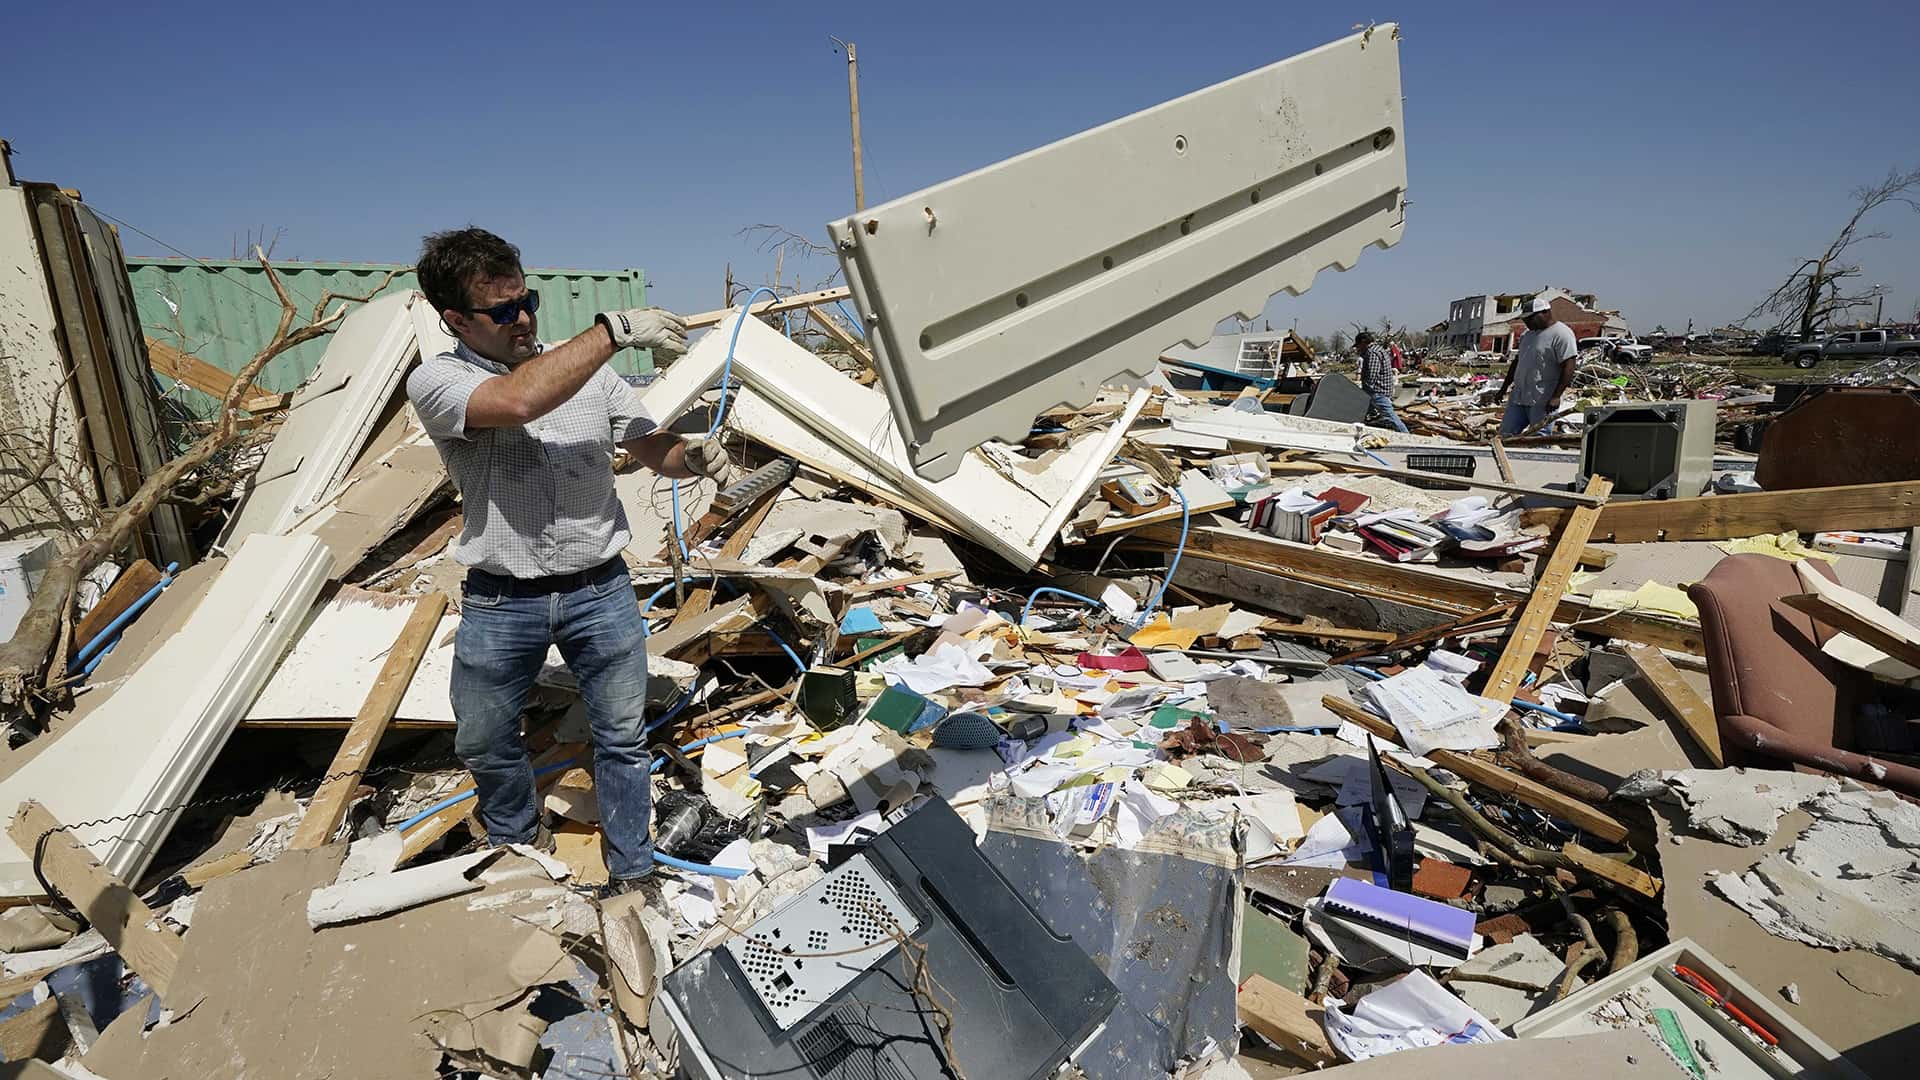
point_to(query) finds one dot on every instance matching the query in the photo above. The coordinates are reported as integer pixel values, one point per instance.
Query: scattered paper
(1431, 713)
(1414, 1012)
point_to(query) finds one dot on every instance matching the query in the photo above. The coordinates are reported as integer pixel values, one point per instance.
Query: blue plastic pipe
(120, 621)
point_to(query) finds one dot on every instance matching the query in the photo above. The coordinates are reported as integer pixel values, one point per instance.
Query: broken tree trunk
(39, 643)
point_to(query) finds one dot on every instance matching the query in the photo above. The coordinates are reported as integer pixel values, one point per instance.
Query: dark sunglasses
(508, 313)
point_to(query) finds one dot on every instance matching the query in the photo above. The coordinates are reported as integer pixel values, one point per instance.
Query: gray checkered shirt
(539, 498)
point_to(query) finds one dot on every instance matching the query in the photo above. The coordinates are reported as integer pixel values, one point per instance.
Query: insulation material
(151, 743)
(1852, 880)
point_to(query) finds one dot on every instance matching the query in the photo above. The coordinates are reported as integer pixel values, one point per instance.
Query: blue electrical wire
(841, 305)
(720, 411)
(1186, 517)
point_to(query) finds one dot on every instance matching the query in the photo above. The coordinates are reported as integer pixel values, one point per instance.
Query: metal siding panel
(227, 310)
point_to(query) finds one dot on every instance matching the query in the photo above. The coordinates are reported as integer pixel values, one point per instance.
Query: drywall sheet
(151, 743)
(339, 652)
(994, 296)
(330, 419)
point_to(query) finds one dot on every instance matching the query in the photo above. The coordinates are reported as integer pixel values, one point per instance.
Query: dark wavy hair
(451, 259)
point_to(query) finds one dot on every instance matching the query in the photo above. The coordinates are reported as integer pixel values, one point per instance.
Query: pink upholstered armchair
(1779, 701)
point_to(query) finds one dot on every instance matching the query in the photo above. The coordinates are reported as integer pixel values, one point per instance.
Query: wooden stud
(1593, 558)
(1894, 505)
(871, 587)
(1541, 607)
(1500, 460)
(700, 598)
(128, 924)
(210, 380)
(1613, 870)
(1826, 611)
(1288, 1020)
(134, 582)
(1696, 716)
(769, 307)
(1500, 611)
(1367, 576)
(1489, 775)
(329, 804)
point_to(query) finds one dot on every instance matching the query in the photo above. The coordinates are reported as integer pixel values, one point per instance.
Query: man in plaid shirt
(1377, 378)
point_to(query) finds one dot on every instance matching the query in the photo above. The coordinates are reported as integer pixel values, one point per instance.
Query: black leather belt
(542, 586)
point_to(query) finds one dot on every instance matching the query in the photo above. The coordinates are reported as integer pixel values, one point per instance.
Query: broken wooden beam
(125, 920)
(1491, 776)
(1893, 505)
(1824, 610)
(795, 302)
(329, 803)
(1414, 586)
(1544, 603)
(1696, 716)
(191, 371)
(1285, 1019)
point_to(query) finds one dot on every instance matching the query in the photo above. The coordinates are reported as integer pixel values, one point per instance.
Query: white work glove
(645, 328)
(706, 457)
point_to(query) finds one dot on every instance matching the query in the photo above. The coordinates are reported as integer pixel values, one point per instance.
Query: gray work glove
(645, 328)
(708, 458)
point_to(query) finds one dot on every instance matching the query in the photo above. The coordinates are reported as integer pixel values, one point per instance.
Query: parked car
(1775, 344)
(1854, 345)
(1625, 350)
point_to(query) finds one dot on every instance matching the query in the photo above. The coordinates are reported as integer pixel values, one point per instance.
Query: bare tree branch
(37, 647)
(1811, 296)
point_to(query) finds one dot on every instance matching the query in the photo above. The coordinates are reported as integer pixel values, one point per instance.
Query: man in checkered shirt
(1377, 379)
(528, 434)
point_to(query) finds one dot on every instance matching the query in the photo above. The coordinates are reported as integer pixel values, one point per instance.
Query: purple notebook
(1430, 922)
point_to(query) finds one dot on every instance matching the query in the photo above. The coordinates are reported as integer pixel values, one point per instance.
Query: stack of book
(1401, 540)
(1303, 524)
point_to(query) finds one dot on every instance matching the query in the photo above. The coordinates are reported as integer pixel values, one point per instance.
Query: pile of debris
(1183, 738)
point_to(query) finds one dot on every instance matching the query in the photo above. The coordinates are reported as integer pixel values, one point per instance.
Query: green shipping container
(223, 311)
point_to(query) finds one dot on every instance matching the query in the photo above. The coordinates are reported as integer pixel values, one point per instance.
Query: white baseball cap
(1538, 305)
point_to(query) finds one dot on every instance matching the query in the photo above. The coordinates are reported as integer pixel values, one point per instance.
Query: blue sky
(1673, 160)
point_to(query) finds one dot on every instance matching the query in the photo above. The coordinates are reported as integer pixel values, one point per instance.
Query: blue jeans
(1519, 418)
(1383, 406)
(505, 629)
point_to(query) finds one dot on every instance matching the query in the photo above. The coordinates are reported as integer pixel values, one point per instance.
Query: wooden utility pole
(853, 106)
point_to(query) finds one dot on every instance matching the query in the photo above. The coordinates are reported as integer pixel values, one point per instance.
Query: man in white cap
(1541, 371)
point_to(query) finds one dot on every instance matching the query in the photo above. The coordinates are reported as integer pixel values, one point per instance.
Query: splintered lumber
(872, 587)
(1286, 1019)
(125, 920)
(194, 372)
(1434, 590)
(1823, 609)
(769, 307)
(1695, 716)
(1491, 776)
(134, 582)
(854, 346)
(1894, 505)
(699, 599)
(1621, 874)
(1532, 624)
(329, 803)
(1592, 558)
(1499, 612)
(1329, 633)
(1500, 460)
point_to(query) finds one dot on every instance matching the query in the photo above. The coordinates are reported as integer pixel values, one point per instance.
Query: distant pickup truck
(1625, 350)
(1853, 345)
